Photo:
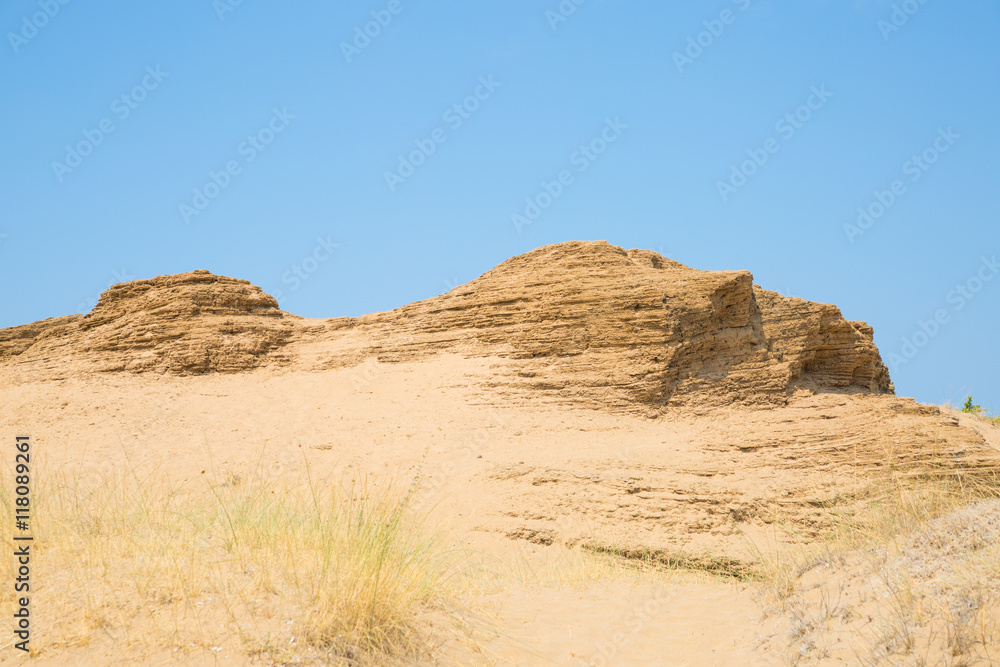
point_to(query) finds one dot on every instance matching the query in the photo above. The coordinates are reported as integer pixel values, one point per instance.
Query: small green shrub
(979, 411)
(970, 408)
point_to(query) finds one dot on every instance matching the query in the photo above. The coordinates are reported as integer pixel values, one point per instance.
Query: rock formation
(534, 385)
(587, 321)
(188, 323)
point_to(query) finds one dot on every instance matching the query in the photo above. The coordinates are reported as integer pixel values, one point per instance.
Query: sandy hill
(579, 393)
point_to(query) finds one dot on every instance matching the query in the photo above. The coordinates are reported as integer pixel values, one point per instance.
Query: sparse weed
(920, 555)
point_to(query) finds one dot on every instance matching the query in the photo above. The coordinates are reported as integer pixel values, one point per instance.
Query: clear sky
(842, 151)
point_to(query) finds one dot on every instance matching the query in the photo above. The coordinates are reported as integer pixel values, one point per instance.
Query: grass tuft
(232, 562)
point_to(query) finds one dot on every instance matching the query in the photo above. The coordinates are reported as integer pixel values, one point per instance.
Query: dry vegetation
(234, 564)
(909, 576)
(226, 564)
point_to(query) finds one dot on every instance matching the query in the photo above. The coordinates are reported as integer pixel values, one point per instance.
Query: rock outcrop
(188, 323)
(595, 323)
(587, 321)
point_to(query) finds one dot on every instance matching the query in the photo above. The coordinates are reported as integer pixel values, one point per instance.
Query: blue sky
(281, 144)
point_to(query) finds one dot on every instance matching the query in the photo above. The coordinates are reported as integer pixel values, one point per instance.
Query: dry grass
(578, 565)
(228, 563)
(644, 559)
(910, 574)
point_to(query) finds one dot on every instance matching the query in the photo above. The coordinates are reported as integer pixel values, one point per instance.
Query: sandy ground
(615, 623)
(543, 472)
(622, 623)
(511, 483)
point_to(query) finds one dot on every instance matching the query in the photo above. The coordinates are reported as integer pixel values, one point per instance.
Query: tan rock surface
(597, 325)
(188, 323)
(589, 322)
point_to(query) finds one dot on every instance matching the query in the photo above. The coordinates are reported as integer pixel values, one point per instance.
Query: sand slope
(579, 395)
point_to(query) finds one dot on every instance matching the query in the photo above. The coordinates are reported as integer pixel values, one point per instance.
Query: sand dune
(580, 398)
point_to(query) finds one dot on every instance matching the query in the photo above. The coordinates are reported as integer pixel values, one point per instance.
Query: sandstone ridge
(183, 324)
(587, 322)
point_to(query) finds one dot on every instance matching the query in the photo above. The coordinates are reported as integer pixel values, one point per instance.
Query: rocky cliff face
(595, 323)
(585, 321)
(187, 323)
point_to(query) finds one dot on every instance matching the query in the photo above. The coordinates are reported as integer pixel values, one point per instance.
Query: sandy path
(621, 623)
